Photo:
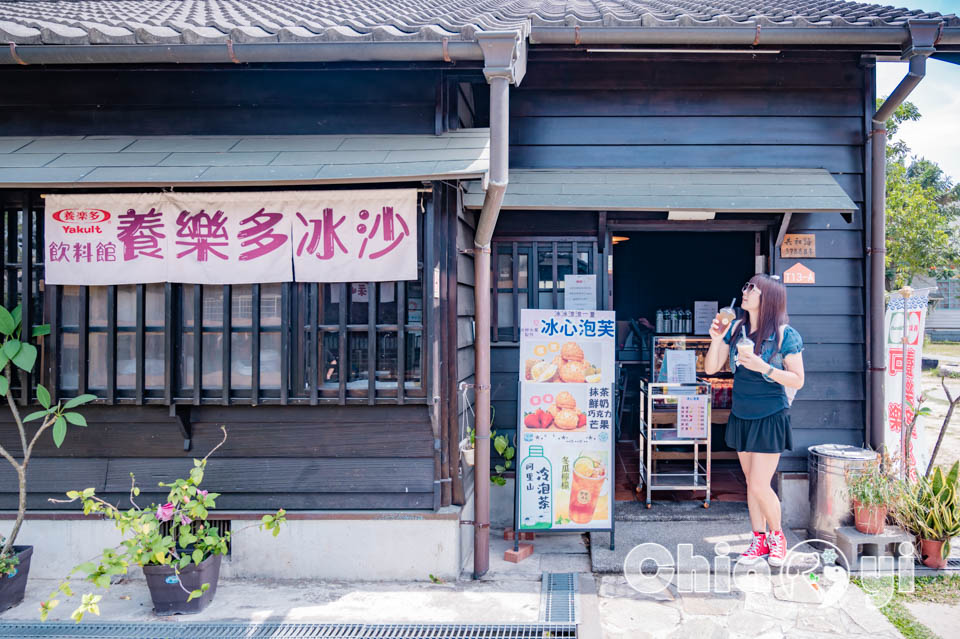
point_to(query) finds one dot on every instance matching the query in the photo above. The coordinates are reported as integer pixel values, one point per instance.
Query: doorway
(668, 271)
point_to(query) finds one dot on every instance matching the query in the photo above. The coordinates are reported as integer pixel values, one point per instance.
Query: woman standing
(765, 355)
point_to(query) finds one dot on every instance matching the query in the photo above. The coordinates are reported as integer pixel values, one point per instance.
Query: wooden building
(624, 121)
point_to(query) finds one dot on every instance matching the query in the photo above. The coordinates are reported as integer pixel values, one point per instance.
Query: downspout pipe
(923, 35)
(505, 57)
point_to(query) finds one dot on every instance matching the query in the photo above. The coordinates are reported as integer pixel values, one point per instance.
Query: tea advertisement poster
(566, 424)
(904, 359)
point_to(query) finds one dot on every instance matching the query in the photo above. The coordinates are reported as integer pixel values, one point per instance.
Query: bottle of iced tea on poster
(536, 503)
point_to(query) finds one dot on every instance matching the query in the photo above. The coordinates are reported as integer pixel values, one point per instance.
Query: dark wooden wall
(466, 226)
(293, 457)
(384, 456)
(779, 111)
(216, 101)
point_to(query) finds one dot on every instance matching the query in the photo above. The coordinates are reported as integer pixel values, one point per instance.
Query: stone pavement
(750, 611)
(609, 608)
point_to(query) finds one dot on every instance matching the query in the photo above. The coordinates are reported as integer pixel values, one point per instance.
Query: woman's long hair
(773, 309)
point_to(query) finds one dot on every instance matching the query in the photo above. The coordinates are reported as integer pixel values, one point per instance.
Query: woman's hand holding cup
(718, 328)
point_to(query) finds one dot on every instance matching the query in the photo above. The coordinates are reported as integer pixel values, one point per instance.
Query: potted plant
(468, 447)
(181, 564)
(501, 443)
(872, 490)
(930, 509)
(17, 353)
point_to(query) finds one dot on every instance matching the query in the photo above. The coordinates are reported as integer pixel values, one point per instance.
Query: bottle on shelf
(660, 322)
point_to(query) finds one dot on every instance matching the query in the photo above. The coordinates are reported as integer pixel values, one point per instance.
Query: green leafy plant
(501, 443)
(875, 485)
(16, 352)
(930, 506)
(191, 539)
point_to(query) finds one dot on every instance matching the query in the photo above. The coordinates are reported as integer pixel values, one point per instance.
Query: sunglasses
(749, 287)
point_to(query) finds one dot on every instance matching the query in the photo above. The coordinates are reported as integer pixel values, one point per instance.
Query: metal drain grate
(953, 563)
(178, 630)
(558, 597)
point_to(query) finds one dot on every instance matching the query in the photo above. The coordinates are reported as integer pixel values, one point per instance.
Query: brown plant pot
(167, 595)
(869, 519)
(13, 586)
(931, 553)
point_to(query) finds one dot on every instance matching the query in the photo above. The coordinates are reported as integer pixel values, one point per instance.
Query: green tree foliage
(923, 208)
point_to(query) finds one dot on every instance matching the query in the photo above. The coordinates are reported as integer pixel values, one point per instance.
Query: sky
(936, 136)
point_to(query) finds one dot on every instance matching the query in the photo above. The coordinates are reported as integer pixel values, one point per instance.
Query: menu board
(693, 417)
(703, 314)
(566, 428)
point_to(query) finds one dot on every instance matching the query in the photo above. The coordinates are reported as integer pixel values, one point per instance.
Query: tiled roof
(720, 190)
(268, 21)
(204, 160)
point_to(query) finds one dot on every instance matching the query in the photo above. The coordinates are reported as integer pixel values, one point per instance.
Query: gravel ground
(937, 401)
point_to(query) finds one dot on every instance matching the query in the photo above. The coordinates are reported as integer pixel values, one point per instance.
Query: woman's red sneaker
(778, 547)
(758, 548)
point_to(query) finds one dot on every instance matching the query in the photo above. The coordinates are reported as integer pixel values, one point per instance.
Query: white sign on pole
(231, 238)
(580, 292)
(703, 314)
(900, 395)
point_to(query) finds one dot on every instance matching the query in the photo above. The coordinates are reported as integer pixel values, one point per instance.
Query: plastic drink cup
(588, 478)
(726, 315)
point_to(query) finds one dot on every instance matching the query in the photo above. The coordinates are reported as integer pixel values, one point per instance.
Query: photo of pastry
(559, 413)
(567, 363)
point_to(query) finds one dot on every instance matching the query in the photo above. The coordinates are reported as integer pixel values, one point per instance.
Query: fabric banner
(905, 359)
(231, 238)
(567, 420)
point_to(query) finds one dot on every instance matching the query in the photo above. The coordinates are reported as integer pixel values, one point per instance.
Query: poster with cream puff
(567, 347)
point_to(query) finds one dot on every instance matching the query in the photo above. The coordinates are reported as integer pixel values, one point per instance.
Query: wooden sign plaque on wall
(799, 245)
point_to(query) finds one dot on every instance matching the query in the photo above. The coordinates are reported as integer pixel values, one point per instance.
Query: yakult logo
(81, 220)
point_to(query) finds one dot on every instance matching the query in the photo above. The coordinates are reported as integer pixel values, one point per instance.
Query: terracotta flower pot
(869, 519)
(13, 586)
(931, 553)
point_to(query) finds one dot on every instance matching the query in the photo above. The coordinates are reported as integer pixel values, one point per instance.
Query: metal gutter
(920, 45)
(746, 35)
(231, 52)
(504, 64)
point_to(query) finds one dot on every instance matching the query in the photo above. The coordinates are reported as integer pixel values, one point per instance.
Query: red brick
(516, 556)
(528, 535)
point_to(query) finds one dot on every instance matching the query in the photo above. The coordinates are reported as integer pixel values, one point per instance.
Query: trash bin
(830, 502)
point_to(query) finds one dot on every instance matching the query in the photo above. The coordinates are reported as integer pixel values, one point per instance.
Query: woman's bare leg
(757, 519)
(762, 467)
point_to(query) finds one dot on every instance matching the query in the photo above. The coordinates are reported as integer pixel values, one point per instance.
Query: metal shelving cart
(655, 435)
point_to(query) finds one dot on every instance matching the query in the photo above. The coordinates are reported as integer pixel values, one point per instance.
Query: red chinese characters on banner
(232, 238)
(140, 235)
(388, 231)
(322, 235)
(201, 233)
(895, 363)
(259, 236)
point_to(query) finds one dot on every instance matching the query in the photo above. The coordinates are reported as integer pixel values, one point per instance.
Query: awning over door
(720, 190)
(98, 161)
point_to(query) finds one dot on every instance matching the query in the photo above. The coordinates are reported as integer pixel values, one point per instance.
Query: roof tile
(255, 21)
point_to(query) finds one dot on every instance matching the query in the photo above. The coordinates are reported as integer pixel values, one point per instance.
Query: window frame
(533, 247)
(300, 329)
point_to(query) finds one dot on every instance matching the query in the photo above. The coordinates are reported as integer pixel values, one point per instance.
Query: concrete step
(703, 536)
